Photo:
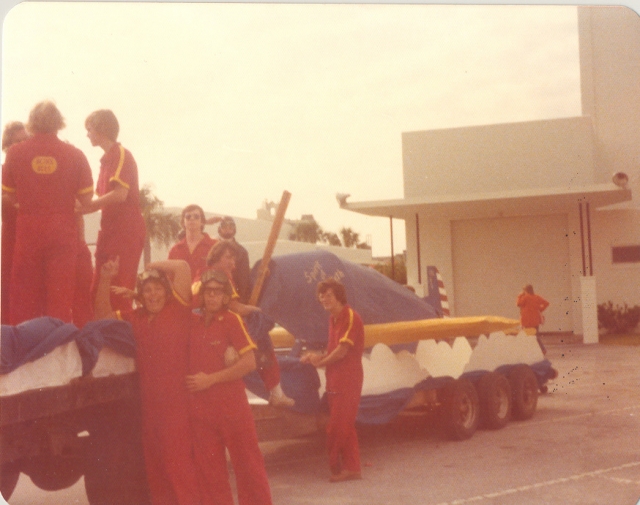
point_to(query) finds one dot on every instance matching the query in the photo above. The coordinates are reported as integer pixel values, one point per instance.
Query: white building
(499, 206)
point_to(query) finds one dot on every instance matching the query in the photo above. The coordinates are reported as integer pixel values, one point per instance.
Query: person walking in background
(122, 228)
(343, 363)
(44, 176)
(196, 244)
(221, 354)
(531, 308)
(13, 133)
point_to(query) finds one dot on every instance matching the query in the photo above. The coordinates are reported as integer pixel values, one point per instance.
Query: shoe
(344, 476)
(281, 400)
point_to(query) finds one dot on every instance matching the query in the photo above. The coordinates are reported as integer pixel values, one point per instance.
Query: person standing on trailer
(122, 228)
(13, 133)
(161, 331)
(196, 244)
(221, 353)
(44, 176)
(242, 271)
(343, 363)
(531, 308)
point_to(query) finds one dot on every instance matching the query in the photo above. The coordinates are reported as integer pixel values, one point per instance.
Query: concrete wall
(536, 154)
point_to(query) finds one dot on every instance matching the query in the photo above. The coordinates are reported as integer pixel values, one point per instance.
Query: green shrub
(618, 319)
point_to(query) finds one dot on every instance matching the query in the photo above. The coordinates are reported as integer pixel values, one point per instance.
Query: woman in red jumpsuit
(343, 362)
(122, 228)
(161, 331)
(220, 413)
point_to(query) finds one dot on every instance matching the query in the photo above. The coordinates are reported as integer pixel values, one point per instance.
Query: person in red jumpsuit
(531, 308)
(44, 176)
(82, 306)
(13, 133)
(343, 362)
(196, 244)
(161, 330)
(221, 353)
(122, 228)
(222, 257)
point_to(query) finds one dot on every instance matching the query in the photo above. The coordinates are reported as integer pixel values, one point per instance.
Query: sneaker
(280, 400)
(344, 476)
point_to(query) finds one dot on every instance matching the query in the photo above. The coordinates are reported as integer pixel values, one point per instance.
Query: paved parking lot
(581, 448)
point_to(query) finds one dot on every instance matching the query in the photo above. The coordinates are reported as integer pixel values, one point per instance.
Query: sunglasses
(195, 215)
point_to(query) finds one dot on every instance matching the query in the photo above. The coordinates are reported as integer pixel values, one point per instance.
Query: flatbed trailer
(89, 427)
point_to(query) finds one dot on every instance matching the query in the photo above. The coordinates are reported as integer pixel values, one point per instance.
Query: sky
(228, 105)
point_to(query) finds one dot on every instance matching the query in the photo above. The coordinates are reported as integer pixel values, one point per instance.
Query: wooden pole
(268, 250)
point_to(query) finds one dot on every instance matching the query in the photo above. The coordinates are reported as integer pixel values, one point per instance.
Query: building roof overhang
(521, 202)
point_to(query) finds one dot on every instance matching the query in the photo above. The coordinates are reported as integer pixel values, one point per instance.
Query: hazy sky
(226, 105)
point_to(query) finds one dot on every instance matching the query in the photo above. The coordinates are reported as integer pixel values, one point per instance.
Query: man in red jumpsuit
(161, 331)
(13, 133)
(45, 176)
(221, 353)
(122, 228)
(343, 362)
(196, 244)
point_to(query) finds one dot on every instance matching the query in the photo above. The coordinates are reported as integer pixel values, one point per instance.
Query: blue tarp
(36, 338)
(289, 295)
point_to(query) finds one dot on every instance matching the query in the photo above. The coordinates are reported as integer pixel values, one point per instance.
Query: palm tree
(162, 227)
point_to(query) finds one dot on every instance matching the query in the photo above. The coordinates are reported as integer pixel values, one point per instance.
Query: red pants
(129, 249)
(342, 438)
(82, 306)
(236, 431)
(8, 243)
(44, 267)
(270, 375)
(171, 471)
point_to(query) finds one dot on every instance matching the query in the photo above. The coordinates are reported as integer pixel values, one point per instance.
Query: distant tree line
(308, 230)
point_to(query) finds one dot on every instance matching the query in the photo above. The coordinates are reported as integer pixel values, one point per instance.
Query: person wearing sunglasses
(161, 331)
(196, 244)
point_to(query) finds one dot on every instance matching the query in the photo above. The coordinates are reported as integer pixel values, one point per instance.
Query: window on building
(626, 254)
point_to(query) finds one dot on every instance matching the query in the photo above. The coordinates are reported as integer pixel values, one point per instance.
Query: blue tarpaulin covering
(36, 338)
(289, 295)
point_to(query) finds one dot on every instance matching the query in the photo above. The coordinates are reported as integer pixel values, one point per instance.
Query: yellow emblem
(44, 165)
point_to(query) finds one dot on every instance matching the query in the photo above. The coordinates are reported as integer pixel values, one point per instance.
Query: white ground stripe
(622, 481)
(537, 485)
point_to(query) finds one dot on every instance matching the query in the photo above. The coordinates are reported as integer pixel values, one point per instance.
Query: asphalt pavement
(582, 447)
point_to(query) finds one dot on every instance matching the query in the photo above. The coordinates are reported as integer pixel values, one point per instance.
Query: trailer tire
(460, 409)
(494, 393)
(8, 480)
(52, 473)
(524, 386)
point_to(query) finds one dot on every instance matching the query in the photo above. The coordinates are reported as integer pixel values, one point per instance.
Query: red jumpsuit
(197, 258)
(9, 215)
(162, 361)
(344, 386)
(221, 417)
(46, 175)
(122, 228)
(82, 306)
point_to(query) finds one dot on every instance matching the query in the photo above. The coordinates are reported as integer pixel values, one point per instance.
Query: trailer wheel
(52, 473)
(524, 386)
(494, 393)
(460, 409)
(8, 480)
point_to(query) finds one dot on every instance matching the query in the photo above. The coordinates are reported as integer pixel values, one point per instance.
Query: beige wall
(536, 154)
